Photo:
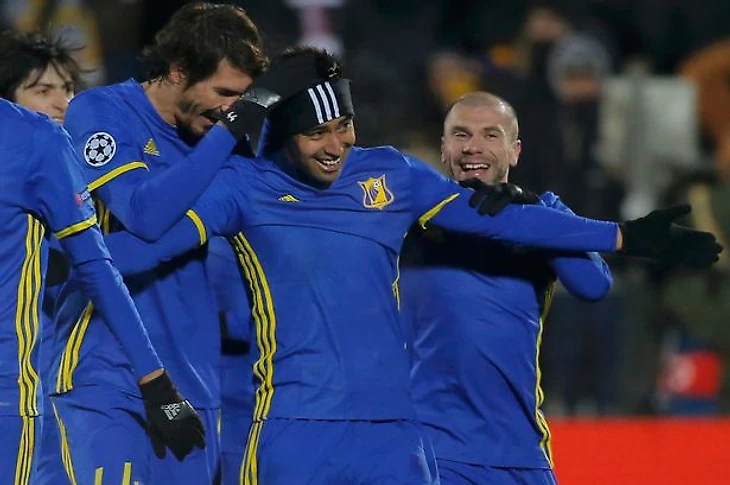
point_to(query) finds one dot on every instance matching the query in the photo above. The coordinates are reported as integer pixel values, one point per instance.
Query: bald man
(475, 312)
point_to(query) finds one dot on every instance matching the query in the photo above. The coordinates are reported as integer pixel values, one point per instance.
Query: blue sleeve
(444, 203)
(585, 275)
(114, 168)
(63, 202)
(58, 191)
(104, 286)
(216, 213)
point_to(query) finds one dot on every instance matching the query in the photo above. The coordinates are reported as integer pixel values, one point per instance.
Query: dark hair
(326, 65)
(198, 37)
(22, 54)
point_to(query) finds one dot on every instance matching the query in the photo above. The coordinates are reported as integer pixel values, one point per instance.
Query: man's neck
(162, 95)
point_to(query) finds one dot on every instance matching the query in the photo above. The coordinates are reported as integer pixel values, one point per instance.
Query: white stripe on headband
(323, 97)
(335, 106)
(325, 101)
(317, 107)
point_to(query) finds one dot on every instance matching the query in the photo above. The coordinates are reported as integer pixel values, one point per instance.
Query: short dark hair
(327, 65)
(22, 54)
(198, 37)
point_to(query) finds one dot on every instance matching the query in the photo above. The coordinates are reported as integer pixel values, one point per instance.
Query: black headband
(307, 109)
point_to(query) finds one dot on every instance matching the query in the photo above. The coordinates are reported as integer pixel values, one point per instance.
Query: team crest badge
(100, 149)
(376, 193)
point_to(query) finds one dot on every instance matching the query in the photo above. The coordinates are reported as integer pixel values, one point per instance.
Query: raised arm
(111, 158)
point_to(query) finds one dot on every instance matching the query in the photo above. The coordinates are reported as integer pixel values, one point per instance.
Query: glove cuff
(158, 390)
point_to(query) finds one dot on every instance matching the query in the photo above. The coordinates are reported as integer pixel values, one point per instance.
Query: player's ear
(177, 74)
(443, 151)
(516, 150)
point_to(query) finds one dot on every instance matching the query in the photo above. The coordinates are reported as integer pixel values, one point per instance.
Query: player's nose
(472, 146)
(227, 102)
(335, 145)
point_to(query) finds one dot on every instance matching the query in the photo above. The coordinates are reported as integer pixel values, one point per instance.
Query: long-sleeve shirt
(144, 176)
(42, 193)
(474, 311)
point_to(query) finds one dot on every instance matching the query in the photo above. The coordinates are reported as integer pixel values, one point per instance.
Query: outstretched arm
(441, 201)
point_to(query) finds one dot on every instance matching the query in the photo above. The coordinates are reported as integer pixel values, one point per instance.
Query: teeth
(330, 163)
(475, 166)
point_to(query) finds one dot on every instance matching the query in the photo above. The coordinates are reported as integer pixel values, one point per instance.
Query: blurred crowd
(624, 105)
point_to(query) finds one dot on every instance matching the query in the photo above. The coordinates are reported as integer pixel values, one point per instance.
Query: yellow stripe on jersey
(127, 473)
(262, 310)
(545, 444)
(395, 286)
(25, 452)
(27, 318)
(70, 356)
(99, 476)
(106, 178)
(76, 228)
(249, 468)
(199, 225)
(65, 448)
(265, 319)
(431, 213)
(104, 216)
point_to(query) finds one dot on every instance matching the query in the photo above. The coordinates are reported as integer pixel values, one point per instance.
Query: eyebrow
(65, 84)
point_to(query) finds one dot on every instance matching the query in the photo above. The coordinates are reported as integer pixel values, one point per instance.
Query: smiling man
(476, 309)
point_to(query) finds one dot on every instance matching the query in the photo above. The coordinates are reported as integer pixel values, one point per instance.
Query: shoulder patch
(100, 149)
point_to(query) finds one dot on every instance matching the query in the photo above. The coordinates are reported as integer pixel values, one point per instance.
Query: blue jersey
(475, 313)
(322, 266)
(232, 300)
(41, 189)
(120, 138)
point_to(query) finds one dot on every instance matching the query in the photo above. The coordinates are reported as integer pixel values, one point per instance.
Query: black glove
(287, 76)
(171, 420)
(492, 199)
(656, 236)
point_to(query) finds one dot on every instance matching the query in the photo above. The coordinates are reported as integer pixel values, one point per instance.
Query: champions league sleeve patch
(100, 149)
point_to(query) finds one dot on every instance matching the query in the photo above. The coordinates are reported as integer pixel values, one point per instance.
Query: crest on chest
(376, 193)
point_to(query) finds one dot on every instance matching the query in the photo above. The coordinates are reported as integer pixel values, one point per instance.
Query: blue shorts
(19, 448)
(50, 464)
(234, 430)
(103, 439)
(457, 473)
(313, 452)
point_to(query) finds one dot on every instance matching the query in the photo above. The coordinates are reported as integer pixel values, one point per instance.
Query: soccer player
(319, 224)
(41, 190)
(149, 150)
(237, 387)
(476, 312)
(41, 75)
